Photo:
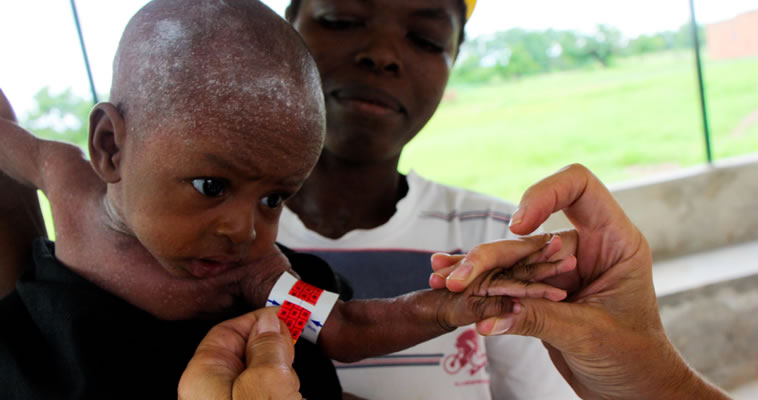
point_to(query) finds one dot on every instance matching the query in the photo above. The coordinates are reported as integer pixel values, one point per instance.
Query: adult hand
(607, 339)
(248, 357)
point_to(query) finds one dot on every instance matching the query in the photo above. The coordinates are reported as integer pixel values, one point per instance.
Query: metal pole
(698, 62)
(84, 52)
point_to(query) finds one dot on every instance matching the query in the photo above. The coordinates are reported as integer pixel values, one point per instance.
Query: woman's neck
(341, 196)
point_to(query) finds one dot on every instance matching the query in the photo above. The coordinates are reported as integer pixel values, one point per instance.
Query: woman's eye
(209, 186)
(426, 44)
(273, 200)
(338, 23)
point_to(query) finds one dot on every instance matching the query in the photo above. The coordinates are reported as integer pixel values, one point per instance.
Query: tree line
(518, 52)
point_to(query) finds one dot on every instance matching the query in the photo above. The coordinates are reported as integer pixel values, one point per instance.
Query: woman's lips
(368, 101)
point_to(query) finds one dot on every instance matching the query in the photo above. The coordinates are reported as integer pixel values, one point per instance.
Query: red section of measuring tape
(295, 317)
(306, 292)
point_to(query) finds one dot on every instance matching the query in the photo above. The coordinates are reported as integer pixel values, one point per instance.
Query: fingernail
(436, 280)
(502, 325)
(437, 255)
(462, 272)
(268, 323)
(552, 237)
(517, 216)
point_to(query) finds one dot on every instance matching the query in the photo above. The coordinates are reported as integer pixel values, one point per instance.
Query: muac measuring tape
(304, 307)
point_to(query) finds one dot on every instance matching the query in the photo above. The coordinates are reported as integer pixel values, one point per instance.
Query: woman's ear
(106, 141)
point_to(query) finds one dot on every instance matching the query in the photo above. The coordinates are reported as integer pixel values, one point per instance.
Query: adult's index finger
(574, 189)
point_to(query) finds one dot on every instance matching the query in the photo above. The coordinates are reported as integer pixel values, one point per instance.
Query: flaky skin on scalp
(217, 58)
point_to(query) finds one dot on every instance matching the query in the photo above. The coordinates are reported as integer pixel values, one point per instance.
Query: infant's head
(216, 117)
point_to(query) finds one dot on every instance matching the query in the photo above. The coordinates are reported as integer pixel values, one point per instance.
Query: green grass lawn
(46, 214)
(637, 118)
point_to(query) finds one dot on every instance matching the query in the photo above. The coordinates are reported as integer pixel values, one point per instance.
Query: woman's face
(384, 66)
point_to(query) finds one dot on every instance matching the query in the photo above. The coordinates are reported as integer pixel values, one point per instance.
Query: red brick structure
(733, 38)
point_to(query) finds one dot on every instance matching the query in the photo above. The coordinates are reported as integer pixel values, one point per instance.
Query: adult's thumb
(268, 357)
(269, 344)
(557, 323)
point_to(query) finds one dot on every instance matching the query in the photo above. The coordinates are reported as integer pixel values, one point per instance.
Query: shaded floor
(708, 305)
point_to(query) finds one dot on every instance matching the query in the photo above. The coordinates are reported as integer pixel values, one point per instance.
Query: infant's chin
(238, 291)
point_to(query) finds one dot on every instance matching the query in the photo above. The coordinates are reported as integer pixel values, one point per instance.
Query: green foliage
(603, 45)
(649, 44)
(61, 116)
(662, 41)
(517, 53)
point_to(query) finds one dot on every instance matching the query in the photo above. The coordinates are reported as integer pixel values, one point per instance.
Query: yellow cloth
(470, 4)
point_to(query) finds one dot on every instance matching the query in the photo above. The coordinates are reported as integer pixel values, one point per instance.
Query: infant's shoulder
(65, 167)
(74, 191)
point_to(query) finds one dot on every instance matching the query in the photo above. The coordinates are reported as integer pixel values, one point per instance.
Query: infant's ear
(106, 139)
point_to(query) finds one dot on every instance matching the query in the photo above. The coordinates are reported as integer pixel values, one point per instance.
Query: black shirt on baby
(62, 337)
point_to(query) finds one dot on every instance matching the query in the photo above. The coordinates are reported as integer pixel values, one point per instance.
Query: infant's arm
(366, 328)
(20, 220)
(34, 162)
(20, 154)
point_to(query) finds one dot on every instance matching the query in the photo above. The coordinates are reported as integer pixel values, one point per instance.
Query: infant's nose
(239, 228)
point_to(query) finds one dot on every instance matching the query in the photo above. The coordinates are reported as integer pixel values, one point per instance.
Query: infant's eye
(209, 186)
(273, 200)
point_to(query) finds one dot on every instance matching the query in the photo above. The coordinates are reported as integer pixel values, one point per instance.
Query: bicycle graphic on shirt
(468, 354)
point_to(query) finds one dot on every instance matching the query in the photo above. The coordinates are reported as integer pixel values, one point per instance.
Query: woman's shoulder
(431, 194)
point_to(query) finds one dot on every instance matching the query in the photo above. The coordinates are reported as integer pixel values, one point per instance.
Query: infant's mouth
(207, 268)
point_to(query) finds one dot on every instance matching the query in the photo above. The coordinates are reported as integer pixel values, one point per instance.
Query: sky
(39, 45)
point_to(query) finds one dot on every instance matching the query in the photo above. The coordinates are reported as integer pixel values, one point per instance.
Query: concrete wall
(695, 209)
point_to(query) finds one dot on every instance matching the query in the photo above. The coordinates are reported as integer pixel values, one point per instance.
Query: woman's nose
(379, 55)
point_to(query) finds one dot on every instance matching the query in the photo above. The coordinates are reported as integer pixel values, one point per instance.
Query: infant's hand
(456, 272)
(490, 294)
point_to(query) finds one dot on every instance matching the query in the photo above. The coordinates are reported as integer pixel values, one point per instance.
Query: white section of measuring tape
(319, 314)
(281, 290)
